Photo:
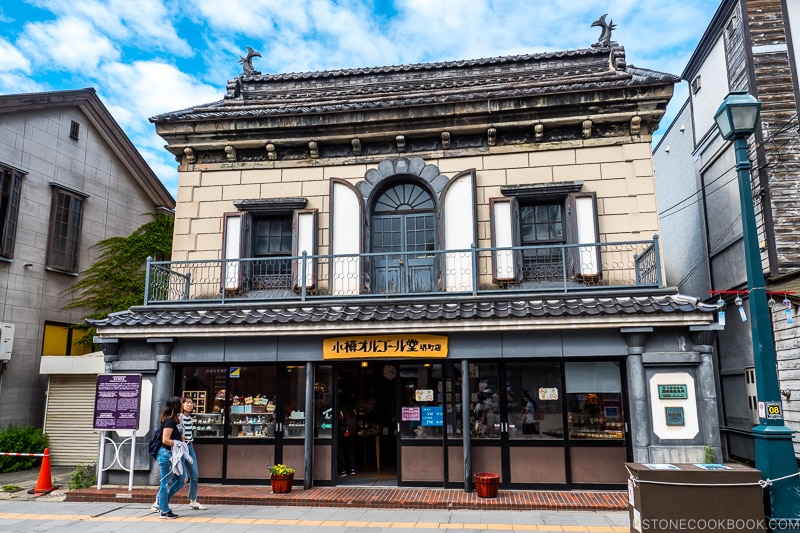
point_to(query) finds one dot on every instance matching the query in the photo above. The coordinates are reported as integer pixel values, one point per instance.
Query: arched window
(404, 230)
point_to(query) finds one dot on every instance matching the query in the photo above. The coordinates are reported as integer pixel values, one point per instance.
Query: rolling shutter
(69, 419)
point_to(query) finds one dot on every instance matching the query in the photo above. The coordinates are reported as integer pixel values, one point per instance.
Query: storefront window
(295, 416)
(206, 386)
(421, 401)
(252, 399)
(485, 390)
(452, 403)
(594, 398)
(534, 397)
(323, 402)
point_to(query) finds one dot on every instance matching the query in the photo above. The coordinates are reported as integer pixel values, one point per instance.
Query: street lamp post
(736, 119)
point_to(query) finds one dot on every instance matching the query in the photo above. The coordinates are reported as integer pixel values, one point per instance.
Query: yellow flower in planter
(279, 470)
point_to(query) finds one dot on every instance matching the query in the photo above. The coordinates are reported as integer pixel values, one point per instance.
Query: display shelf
(199, 398)
(209, 425)
(251, 425)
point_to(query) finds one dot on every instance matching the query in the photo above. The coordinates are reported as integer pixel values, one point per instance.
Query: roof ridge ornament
(605, 35)
(247, 62)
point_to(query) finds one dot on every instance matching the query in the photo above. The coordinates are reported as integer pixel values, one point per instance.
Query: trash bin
(694, 497)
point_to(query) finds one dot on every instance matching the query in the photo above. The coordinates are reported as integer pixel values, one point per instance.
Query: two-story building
(69, 177)
(430, 245)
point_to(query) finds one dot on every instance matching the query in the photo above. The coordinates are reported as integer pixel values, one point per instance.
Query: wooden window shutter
(507, 262)
(304, 229)
(583, 230)
(233, 231)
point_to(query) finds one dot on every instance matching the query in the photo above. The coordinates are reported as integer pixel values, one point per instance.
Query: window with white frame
(542, 226)
(264, 241)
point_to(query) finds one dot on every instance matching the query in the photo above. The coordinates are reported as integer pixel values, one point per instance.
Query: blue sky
(146, 57)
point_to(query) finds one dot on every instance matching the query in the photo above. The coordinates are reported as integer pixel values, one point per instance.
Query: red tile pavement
(373, 497)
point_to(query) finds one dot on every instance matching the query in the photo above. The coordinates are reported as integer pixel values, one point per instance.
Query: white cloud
(141, 23)
(12, 58)
(149, 88)
(66, 44)
(12, 83)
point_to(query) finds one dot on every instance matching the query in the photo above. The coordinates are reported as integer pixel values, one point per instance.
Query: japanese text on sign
(385, 346)
(674, 392)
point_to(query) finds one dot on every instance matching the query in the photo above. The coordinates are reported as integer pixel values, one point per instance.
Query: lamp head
(737, 115)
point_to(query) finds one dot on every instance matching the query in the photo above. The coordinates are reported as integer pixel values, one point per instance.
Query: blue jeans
(170, 483)
(193, 471)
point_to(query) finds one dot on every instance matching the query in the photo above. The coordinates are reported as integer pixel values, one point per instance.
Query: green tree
(115, 282)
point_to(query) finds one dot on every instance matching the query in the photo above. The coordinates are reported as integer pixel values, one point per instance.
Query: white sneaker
(197, 505)
(155, 508)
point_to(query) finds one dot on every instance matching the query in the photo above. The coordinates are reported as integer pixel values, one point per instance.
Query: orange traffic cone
(45, 483)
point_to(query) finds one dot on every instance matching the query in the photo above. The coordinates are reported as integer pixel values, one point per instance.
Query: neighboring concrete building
(461, 255)
(748, 46)
(69, 178)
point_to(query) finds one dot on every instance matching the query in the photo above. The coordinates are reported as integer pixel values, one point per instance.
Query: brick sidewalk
(372, 497)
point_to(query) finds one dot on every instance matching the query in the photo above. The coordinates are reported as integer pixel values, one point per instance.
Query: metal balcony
(470, 272)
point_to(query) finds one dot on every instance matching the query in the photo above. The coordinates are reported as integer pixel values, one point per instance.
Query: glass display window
(485, 390)
(204, 384)
(323, 402)
(421, 401)
(534, 399)
(294, 419)
(594, 400)
(252, 401)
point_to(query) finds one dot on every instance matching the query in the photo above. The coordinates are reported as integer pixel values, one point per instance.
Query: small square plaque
(674, 416)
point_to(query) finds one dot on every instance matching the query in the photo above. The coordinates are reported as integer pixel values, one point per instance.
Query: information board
(116, 404)
(432, 416)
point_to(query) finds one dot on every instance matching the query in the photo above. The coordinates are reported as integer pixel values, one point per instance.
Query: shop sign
(675, 416)
(116, 404)
(423, 395)
(673, 392)
(432, 416)
(546, 393)
(410, 414)
(384, 346)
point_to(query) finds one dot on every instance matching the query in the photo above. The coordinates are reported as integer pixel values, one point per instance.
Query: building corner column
(703, 338)
(162, 390)
(640, 424)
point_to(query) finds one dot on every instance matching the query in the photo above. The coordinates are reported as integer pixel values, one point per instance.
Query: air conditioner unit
(6, 341)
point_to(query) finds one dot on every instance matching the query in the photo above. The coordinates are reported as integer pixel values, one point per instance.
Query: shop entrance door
(421, 451)
(366, 426)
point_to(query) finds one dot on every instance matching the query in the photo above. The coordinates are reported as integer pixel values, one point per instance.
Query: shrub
(83, 476)
(21, 439)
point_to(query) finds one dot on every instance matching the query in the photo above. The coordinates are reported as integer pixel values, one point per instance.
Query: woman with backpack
(170, 436)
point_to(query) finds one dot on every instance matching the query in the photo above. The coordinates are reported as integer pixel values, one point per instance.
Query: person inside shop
(346, 455)
(526, 415)
(171, 441)
(190, 467)
(479, 415)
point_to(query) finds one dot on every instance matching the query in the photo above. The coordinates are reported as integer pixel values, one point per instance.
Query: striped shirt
(188, 427)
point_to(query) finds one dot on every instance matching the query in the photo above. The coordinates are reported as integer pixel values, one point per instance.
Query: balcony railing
(522, 269)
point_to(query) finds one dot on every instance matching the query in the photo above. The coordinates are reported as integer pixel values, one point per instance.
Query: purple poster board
(116, 404)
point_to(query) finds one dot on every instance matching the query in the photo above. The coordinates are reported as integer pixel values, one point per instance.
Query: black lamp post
(736, 119)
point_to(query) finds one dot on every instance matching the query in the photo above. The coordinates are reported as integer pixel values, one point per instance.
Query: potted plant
(281, 478)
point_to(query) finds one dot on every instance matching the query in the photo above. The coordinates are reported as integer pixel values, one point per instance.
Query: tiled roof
(423, 84)
(316, 313)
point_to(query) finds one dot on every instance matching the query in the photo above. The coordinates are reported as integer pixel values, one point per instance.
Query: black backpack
(155, 443)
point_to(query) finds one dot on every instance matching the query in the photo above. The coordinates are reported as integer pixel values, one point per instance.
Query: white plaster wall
(714, 88)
